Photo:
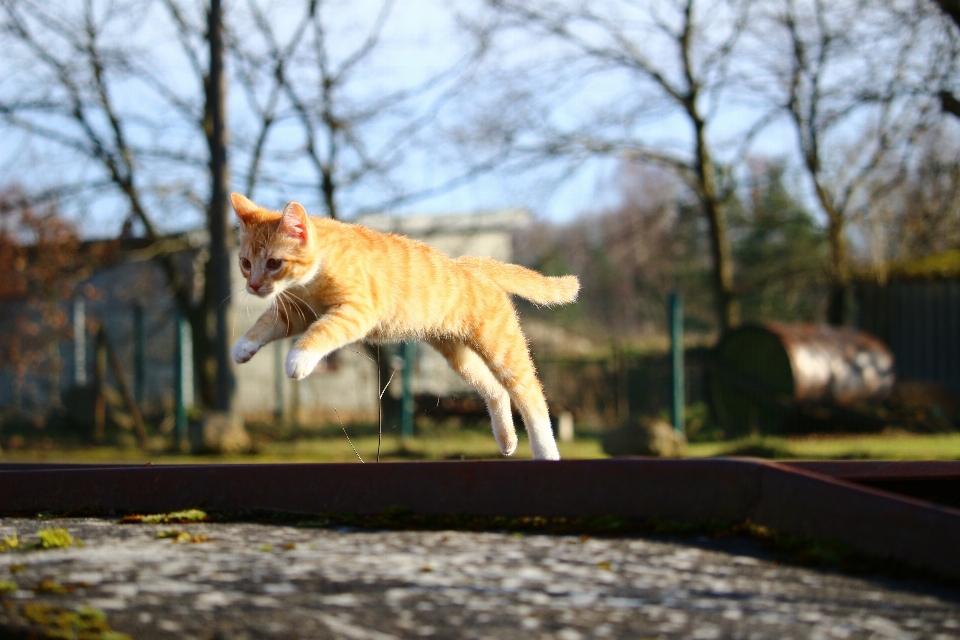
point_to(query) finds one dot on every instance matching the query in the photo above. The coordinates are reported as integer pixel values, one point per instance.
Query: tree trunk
(328, 188)
(204, 362)
(53, 371)
(726, 303)
(839, 261)
(218, 290)
(839, 275)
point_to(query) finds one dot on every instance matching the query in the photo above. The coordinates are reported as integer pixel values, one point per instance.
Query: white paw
(244, 350)
(301, 363)
(546, 454)
(544, 449)
(509, 447)
(506, 437)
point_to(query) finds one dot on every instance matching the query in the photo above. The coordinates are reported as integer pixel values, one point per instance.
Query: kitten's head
(276, 249)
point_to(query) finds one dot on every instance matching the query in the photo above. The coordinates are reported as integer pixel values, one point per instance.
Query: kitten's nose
(255, 286)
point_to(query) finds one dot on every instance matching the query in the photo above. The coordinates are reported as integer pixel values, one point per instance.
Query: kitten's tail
(526, 283)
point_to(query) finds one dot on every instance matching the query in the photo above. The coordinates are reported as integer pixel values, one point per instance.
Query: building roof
(423, 226)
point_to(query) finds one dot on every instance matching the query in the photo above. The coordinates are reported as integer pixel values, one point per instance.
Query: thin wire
(379, 407)
(348, 436)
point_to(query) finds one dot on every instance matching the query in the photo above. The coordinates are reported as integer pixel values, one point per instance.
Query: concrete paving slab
(251, 581)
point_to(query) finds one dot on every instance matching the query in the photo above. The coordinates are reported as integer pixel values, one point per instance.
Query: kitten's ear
(293, 222)
(246, 210)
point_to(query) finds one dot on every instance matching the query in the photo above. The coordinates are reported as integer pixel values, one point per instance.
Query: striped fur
(335, 283)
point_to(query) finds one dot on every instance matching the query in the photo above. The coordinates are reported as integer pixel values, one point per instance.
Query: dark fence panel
(603, 392)
(920, 321)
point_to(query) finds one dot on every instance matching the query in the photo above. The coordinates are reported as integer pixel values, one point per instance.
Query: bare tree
(210, 318)
(674, 62)
(930, 220)
(222, 238)
(915, 211)
(84, 61)
(349, 135)
(629, 257)
(948, 99)
(853, 80)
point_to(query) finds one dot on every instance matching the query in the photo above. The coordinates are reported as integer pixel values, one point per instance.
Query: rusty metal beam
(936, 481)
(857, 470)
(789, 498)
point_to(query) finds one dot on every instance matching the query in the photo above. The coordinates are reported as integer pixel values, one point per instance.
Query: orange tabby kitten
(337, 283)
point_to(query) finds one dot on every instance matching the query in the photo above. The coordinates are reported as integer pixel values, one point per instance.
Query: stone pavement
(271, 581)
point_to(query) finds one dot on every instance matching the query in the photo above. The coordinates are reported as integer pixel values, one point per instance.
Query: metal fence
(920, 321)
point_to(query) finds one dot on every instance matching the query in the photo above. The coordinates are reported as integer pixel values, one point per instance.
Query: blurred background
(761, 200)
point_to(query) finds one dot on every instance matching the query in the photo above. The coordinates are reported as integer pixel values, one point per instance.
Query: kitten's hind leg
(504, 350)
(471, 368)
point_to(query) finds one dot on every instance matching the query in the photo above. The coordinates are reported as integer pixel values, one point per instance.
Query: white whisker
(276, 311)
(305, 303)
(247, 307)
(296, 306)
(294, 296)
(281, 302)
(288, 308)
(236, 311)
(232, 293)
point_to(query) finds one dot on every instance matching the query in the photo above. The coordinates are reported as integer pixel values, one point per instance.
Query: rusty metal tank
(763, 375)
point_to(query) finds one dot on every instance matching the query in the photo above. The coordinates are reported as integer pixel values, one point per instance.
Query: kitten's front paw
(244, 350)
(301, 363)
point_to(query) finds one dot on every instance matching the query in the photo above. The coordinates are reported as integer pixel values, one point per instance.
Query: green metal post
(183, 377)
(294, 398)
(278, 380)
(139, 366)
(406, 406)
(79, 341)
(675, 317)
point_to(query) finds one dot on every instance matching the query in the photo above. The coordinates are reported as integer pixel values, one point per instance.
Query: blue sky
(420, 38)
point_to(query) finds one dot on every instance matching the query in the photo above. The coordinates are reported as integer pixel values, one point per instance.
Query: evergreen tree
(780, 252)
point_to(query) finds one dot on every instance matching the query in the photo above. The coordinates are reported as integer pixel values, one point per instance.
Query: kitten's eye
(244, 264)
(273, 264)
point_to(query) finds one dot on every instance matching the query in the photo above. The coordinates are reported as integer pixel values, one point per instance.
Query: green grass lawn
(896, 446)
(463, 445)
(472, 444)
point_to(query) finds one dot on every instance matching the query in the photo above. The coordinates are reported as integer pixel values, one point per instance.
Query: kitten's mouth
(262, 292)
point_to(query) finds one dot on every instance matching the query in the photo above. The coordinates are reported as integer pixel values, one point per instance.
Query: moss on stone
(56, 622)
(174, 517)
(55, 538)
